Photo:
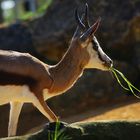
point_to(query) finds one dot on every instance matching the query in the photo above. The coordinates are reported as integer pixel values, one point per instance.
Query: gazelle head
(85, 36)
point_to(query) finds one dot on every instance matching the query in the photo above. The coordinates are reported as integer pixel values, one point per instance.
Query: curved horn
(91, 30)
(80, 23)
(86, 19)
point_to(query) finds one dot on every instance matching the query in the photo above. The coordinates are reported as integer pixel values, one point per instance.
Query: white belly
(15, 93)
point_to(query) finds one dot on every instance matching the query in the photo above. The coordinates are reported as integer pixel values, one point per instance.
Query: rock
(109, 130)
(50, 34)
(118, 32)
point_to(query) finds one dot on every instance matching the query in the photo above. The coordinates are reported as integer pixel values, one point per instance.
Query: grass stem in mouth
(130, 87)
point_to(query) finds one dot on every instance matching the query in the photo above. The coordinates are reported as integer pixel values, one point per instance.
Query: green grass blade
(133, 92)
(130, 86)
(49, 136)
(119, 80)
(128, 82)
(56, 130)
(134, 87)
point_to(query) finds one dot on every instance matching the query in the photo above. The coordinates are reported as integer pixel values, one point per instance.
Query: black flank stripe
(15, 79)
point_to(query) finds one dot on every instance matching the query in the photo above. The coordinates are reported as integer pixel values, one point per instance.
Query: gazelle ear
(95, 26)
(91, 30)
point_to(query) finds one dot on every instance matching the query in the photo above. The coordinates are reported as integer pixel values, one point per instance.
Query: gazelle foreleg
(41, 105)
(15, 109)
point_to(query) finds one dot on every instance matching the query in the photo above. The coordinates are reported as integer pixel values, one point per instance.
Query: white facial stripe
(95, 39)
(95, 61)
(101, 51)
(97, 55)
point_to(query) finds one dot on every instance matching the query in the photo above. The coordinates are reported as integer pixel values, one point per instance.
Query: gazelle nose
(109, 62)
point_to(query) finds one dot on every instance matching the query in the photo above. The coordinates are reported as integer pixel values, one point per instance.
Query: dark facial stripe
(96, 48)
(15, 79)
(100, 56)
(95, 44)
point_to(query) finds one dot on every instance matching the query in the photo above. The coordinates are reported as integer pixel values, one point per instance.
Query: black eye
(94, 45)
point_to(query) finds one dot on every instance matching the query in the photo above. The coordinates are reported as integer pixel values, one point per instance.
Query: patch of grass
(130, 87)
(58, 134)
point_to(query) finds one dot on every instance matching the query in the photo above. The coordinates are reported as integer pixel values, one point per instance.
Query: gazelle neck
(68, 70)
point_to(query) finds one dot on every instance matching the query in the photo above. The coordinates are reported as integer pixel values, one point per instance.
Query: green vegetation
(106, 130)
(57, 134)
(10, 14)
(39, 11)
(129, 87)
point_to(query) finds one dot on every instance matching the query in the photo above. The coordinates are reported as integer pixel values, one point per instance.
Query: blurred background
(15, 10)
(44, 28)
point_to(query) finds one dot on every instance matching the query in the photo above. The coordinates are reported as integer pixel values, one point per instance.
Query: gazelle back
(23, 78)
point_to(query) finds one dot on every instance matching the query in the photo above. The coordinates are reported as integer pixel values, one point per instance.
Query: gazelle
(24, 78)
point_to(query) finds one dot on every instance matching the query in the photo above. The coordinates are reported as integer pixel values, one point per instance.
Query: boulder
(49, 36)
(109, 130)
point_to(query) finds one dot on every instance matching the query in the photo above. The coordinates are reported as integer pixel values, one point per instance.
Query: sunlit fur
(95, 61)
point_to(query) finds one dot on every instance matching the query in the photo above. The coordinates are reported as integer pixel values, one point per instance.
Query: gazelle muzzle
(107, 62)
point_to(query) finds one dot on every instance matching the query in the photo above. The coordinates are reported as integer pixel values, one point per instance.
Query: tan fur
(69, 69)
(24, 64)
(44, 81)
(49, 80)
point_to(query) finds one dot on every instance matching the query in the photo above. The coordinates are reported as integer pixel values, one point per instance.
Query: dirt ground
(122, 111)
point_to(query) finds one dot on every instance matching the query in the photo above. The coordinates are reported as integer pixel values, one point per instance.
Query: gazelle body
(24, 78)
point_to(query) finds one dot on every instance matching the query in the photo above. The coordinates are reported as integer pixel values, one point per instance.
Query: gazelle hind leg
(41, 105)
(15, 109)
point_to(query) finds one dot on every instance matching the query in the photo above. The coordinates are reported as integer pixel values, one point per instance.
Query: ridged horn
(91, 30)
(86, 19)
(79, 22)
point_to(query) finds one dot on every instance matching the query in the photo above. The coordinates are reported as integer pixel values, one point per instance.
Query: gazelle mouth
(107, 65)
